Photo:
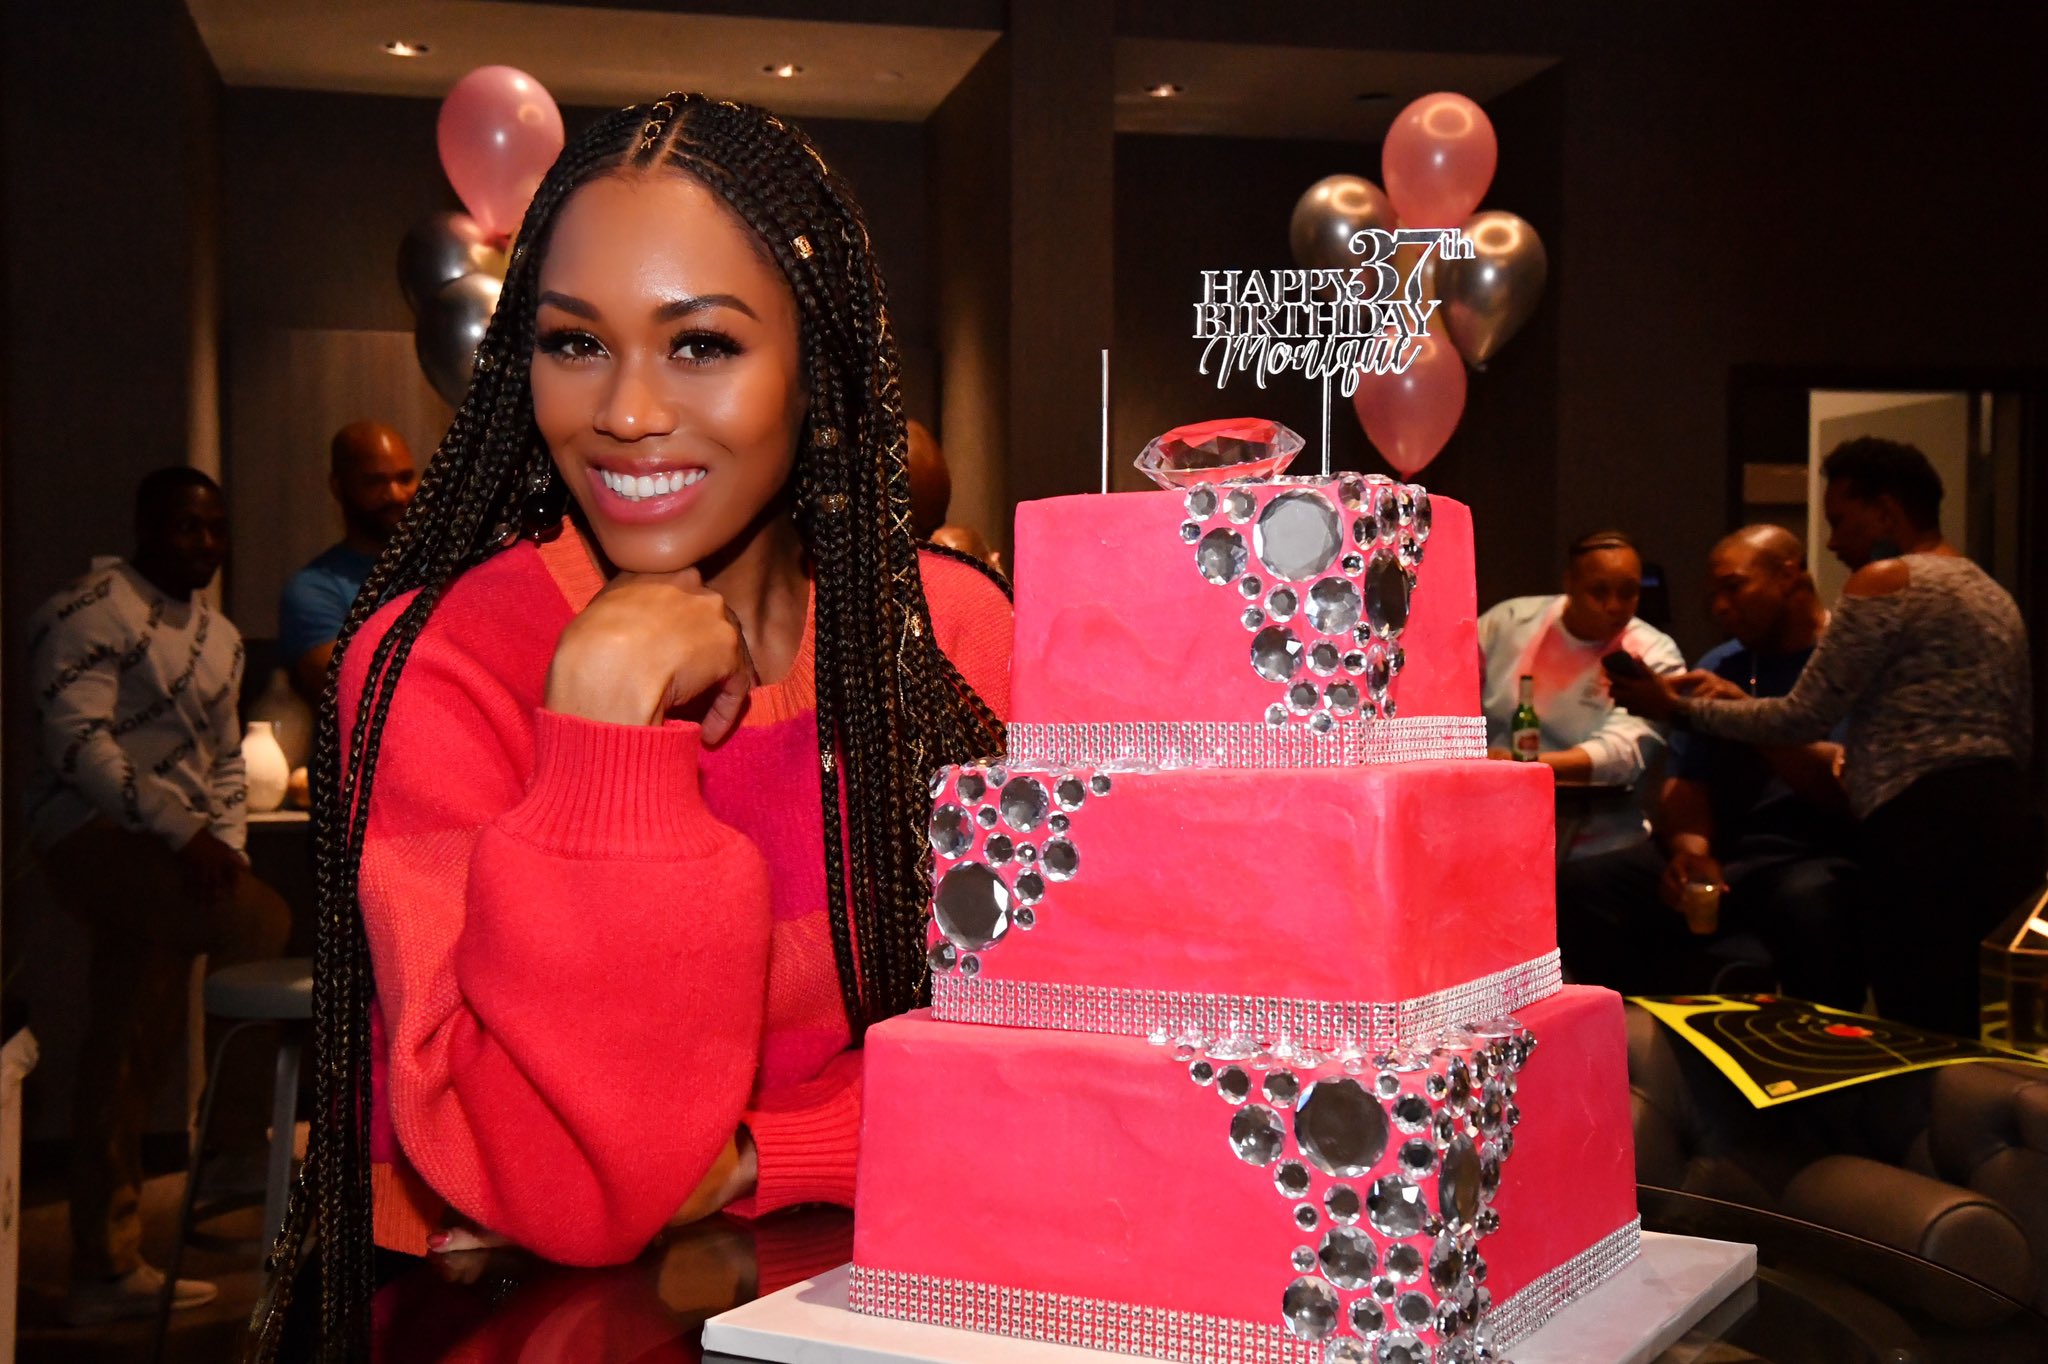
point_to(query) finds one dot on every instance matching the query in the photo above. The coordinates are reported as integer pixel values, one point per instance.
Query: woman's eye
(704, 348)
(568, 344)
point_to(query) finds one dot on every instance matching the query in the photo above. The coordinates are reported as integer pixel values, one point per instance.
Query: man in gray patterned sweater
(138, 811)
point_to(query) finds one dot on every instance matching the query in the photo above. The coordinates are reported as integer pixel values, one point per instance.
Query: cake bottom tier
(1158, 1199)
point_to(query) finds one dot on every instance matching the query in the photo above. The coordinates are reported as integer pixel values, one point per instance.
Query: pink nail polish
(437, 1240)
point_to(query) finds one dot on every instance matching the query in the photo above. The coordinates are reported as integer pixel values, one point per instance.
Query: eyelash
(574, 346)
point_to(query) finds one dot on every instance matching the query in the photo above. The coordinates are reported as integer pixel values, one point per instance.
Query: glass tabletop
(488, 1307)
(1819, 1297)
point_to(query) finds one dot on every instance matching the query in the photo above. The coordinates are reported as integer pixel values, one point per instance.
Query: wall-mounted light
(1163, 90)
(399, 47)
(786, 70)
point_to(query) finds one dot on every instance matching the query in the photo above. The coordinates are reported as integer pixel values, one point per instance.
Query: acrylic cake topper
(1322, 324)
(1325, 324)
(1233, 450)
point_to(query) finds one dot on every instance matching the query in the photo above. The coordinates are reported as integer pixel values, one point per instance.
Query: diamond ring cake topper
(1233, 450)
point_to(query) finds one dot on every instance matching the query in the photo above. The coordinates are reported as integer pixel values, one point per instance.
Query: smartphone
(1622, 663)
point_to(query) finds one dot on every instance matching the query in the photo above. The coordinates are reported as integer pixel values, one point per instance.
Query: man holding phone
(1767, 825)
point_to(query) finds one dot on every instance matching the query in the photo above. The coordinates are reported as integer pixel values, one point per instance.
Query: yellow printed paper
(1776, 1049)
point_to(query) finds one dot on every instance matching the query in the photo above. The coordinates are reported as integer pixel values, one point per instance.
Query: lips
(638, 487)
(640, 495)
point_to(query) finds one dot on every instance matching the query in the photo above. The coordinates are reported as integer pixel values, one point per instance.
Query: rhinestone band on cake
(1064, 1319)
(1519, 1316)
(1186, 1336)
(1170, 744)
(1142, 1013)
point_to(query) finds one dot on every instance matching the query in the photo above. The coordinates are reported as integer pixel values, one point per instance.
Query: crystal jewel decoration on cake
(1234, 450)
(1003, 838)
(1388, 1164)
(1321, 570)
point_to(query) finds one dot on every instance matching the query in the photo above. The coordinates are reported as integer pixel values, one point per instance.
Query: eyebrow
(667, 312)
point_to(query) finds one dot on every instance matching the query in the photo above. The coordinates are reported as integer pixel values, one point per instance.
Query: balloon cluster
(1437, 160)
(498, 133)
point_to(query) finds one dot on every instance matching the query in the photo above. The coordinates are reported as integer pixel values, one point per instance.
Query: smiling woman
(622, 772)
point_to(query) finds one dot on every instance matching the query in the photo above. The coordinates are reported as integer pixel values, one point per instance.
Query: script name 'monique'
(1323, 323)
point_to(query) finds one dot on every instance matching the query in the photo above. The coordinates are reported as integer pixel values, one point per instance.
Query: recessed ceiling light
(399, 47)
(786, 70)
(1163, 90)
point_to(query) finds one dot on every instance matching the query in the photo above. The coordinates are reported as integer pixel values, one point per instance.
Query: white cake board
(1640, 1312)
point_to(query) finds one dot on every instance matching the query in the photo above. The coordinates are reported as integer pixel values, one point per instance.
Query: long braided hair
(891, 707)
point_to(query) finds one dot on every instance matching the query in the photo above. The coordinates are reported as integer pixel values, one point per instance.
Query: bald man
(931, 482)
(1768, 824)
(371, 475)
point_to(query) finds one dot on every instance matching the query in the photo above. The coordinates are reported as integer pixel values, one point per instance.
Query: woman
(625, 839)
(1926, 658)
(1559, 642)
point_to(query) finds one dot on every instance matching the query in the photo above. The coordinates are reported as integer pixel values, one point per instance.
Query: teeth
(634, 487)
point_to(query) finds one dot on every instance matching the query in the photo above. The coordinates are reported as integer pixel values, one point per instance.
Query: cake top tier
(1283, 604)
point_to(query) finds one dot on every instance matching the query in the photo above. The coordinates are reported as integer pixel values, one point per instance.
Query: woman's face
(667, 369)
(1601, 589)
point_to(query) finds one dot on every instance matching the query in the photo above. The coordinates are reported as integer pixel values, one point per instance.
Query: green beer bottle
(1527, 730)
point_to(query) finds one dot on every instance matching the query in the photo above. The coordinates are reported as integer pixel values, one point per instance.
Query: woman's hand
(730, 1178)
(649, 643)
(1689, 865)
(464, 1237)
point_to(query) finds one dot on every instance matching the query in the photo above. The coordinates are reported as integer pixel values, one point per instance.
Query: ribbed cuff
(602, 790)
(804, 1155)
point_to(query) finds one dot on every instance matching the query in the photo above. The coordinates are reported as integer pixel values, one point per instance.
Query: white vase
(268, 772)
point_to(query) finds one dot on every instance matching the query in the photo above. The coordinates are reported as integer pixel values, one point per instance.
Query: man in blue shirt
(1769, 825)
(371, 474)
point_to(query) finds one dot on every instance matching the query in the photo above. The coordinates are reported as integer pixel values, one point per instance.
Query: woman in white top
(1559, 641)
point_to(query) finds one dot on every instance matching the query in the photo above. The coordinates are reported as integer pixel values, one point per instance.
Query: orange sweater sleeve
(570, 952)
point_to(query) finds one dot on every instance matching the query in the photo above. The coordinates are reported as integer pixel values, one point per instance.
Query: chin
(649, 549)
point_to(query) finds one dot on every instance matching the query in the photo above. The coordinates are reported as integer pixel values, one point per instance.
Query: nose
(633, 409)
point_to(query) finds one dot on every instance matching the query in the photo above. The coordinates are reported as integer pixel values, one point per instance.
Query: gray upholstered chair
(1949, 1165)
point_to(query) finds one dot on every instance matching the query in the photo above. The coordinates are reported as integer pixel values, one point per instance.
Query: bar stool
(259, 994)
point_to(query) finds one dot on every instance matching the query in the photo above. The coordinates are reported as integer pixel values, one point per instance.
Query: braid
(891, 707)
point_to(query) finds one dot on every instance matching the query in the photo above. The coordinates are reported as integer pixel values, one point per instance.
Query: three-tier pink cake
(1247, 1039)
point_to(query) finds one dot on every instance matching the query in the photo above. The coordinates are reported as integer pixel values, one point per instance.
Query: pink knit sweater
(599, 949)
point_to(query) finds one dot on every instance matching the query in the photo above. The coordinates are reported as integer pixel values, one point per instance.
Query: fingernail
(438, 1240)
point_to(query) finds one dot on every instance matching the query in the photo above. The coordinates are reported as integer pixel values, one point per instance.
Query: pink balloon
(498, 133)
(1409, 416)
(1438, 160)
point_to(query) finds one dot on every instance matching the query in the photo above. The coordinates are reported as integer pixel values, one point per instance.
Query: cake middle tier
(1304, 901)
